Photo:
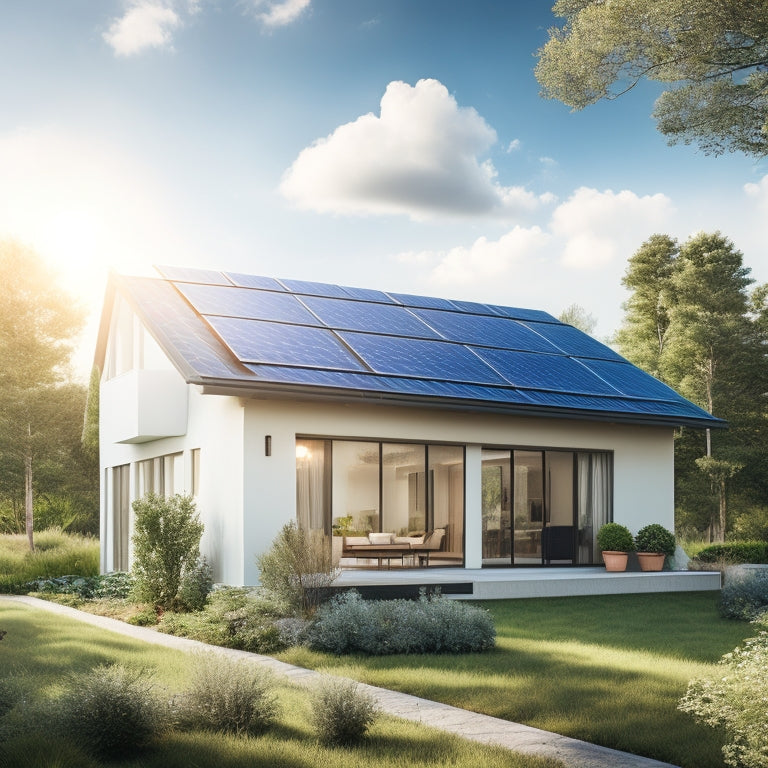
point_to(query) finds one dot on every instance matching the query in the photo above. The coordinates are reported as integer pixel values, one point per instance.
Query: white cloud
(758, 192)
(420, 157)
(514, 145)
(278, 13)
(145, 24)
(596, 228)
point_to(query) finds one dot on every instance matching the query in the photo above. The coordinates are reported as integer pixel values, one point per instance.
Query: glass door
(529, 509)
(497, 507)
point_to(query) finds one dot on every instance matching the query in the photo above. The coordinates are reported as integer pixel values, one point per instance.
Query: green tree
(713, 54)
(692, 322)
(578, 317)
(38, 326)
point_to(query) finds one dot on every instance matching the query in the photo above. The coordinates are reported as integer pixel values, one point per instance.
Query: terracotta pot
(651, 561)
(615, 561)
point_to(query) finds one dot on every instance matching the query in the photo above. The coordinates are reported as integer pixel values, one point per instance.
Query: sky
(401, 145)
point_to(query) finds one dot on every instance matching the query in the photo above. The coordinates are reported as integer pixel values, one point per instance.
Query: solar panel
(427, 302)
(632, 381)
(246, 302)
(486, 330)
(573, 341)
(314, 289)
(256, 341)
(254, 281)
(367, 294)
(187, 274)
(548, 372)
(374, 318)
(420, 358)
(517, 313)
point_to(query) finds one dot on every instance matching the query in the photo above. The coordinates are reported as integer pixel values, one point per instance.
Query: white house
(269, 400)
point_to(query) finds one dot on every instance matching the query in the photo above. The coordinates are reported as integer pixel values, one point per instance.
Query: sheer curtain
(310, 484)
(594, 499)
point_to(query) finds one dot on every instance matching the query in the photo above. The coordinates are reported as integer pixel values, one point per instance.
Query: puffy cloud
(278, 13)
(598, 227)
(145, 24)
(419, 157)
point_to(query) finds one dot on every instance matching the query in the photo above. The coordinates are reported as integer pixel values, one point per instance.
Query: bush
(111, 711)
(196, 585)
(166, 543)
(230, 697)
(349, 624)
(655, 538)
(116, 585)
(614, 537)
(745, 594)
(734, 698)
(297, 569)
(751, 524)
(342, 712)
(735, 552)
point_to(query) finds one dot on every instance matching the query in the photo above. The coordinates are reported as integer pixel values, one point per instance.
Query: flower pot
(615, 561)
(651, 561)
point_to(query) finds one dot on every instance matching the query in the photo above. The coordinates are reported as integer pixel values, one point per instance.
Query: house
(511, 434)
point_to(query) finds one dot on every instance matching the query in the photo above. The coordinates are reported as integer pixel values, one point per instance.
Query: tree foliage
(713, 54)
(38, 326)
(578, 317)
(692, 322)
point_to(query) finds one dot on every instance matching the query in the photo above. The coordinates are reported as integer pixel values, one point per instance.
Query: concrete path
(469, 725)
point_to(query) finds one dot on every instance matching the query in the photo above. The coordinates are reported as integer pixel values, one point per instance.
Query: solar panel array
(316, 335)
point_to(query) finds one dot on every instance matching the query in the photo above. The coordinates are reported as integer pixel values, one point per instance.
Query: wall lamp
(267, 445)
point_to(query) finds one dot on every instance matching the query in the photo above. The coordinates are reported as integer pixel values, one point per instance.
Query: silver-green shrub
(166, 544)
(342, 712)
(736, 698)
(744, 595)
(196, 585)
(229, 696)
(349, 624)
(111, 711)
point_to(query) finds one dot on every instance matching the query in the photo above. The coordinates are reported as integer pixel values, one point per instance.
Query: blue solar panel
(314, 289)
(632, 381)
(255, 341)
(254, 281)
(189, 275)
(374, 318)
(486, 330)
(246, 302)
(427, 302)
(573, 341)
(420, 358)
(367, 294)
(549, 372)
(517, 313)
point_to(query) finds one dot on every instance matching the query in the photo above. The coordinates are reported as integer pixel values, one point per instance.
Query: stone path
(469, 725)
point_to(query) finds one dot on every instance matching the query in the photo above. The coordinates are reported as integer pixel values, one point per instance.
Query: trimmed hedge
(735, 552)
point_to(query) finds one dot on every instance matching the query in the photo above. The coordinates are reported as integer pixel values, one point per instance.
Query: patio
(504, 583)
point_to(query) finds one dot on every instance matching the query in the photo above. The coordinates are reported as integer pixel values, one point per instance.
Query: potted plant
(654, 544)
(615, 541)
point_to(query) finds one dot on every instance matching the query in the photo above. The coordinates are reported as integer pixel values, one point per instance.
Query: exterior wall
(643, 458)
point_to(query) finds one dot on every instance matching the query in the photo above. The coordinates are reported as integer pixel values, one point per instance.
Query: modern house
(510, 434)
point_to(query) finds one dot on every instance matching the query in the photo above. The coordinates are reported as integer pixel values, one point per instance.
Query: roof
(244, 334)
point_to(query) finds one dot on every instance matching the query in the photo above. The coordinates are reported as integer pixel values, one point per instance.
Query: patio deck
(503, 583)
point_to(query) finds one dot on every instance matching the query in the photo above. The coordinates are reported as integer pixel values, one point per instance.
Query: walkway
(469, 725)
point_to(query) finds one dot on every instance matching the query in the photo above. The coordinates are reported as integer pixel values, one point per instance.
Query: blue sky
(395, 144)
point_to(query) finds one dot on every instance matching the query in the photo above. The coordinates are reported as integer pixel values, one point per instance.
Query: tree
(578, 317)
(38, 325)
(692, 322)
(713, 53)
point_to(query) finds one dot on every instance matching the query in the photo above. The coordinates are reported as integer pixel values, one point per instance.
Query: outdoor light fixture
(267, 445)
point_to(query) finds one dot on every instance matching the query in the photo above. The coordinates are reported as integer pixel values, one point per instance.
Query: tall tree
(578, 317)
(713, 53)
(38, 326)
(692, 322)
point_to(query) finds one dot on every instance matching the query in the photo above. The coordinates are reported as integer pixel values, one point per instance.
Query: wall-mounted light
(267, 445)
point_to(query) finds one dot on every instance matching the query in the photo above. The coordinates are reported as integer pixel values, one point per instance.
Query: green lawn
(606, 669)
(44, 648)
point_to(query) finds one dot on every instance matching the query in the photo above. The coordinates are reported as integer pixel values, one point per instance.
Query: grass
(606, 669)
(56, 554)
(44, 648)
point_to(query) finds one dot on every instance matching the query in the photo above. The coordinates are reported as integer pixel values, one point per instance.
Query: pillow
(381, 538)
(355, 541)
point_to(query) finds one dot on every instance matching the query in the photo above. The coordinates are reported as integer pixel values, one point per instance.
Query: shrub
(117, 585)
(349, 624)
(734, 552)
(734, 698)
(655, 538)
(166, 543)
(196, 585)
(751, 524)
(744, 595)
(342, 712)
(297, 569)
(230, 697)
(614, 537)
(111, 711)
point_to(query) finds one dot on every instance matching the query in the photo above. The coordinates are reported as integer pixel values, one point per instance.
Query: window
(121, 514)
(163, 475)
(195, 471)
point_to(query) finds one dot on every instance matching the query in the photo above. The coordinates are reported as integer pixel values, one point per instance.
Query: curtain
(310, 484)
(594, 500)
